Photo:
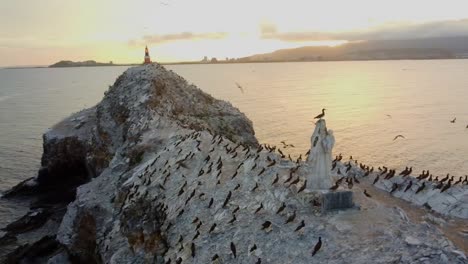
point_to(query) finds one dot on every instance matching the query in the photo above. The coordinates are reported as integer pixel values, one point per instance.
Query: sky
(42, 32)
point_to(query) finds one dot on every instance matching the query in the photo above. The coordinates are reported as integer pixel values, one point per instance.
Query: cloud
(449, 28)
(158, 39)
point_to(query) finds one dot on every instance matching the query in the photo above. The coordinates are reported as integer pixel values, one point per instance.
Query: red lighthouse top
(147, 57)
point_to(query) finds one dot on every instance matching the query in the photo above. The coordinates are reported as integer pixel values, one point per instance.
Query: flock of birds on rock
(424, 180)
(213, 166)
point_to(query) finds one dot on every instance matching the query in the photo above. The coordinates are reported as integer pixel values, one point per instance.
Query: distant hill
(88, 63)
(430, 48)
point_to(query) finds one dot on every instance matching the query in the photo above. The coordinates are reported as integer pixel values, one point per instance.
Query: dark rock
(30, 221)
(38, 252)
(7, 239)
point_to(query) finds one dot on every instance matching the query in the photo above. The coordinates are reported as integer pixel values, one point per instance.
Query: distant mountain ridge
(429, 48)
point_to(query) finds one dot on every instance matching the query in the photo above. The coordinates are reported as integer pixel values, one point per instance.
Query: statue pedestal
(337, 200)
(326, 201)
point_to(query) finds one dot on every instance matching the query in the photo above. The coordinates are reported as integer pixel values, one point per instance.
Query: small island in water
(88, 63)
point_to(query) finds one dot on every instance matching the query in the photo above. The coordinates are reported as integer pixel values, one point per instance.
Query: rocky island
(161, 172)
(88, 63)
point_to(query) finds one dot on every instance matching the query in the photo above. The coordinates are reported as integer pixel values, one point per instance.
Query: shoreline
(221, 62)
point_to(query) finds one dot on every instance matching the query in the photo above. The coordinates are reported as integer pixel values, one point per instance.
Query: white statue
(320, 157)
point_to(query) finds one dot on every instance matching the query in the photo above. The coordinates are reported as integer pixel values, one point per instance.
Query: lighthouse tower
(147, 57)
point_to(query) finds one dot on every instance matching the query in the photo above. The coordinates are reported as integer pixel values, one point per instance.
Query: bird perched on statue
(321, 115)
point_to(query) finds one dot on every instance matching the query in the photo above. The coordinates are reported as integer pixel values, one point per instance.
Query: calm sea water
(368, 103)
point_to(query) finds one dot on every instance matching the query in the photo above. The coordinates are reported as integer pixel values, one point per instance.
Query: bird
(180, 213)
(453, 121)
(233, 219)
(389, 116)
(334, 187)
(240, 87)
(321, 115)
(211, 203)
(255, 188)
(289, 178)
(394, 187)
(275, 180)
(376, 179)
(235, 210)
(398, 136)
(272, 163)
(233, 249)
(212, 228)
(295, 181)
(266, 225)
(367, 194)
(254, 247)
(409, 186)
(259, 208)
(302, 187)
(259, 261)
(192, 247)
(281, 208)
(301, 225)
(227, 199)
(286, 145)
(261, 172)
(446, 187)
(215, 257)
(317, 246)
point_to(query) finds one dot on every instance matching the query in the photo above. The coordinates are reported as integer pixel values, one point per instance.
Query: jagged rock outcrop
(174, 174)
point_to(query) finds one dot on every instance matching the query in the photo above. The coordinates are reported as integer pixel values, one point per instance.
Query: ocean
(368, 103)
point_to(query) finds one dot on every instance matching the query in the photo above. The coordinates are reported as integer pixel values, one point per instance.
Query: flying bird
(398, 136)
(453, 121)
(240, 87)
